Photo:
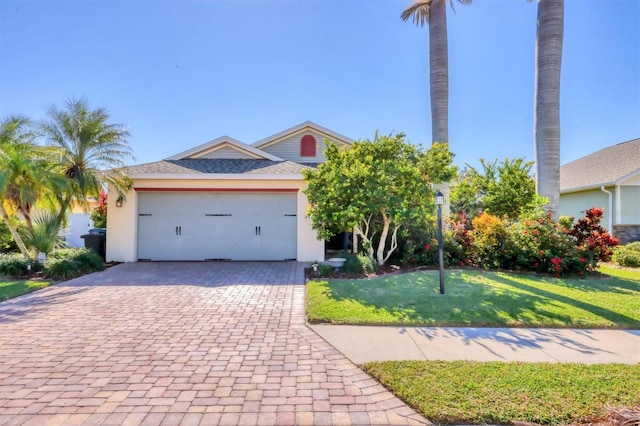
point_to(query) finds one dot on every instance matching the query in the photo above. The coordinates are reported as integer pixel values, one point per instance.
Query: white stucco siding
(575, 204)
(289, 148)
(79, 224)
(122, 229)
(310, 248)
(629, 205)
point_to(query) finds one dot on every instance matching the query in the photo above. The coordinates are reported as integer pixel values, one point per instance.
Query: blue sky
(181, 73)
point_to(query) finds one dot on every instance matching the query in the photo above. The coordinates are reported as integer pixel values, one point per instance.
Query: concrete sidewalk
(361, 344)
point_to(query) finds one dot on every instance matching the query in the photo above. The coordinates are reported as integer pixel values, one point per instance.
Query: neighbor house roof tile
(604, 167)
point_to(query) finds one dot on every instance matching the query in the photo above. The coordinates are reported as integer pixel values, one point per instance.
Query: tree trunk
(547, 101)
(439, 71)
(14, 232)
(383, 240)
(365, 239)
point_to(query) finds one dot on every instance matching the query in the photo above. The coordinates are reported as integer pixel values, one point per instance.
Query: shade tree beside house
(376, 187)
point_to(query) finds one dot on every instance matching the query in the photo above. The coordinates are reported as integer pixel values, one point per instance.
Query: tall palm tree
(91, 151)
(546, 116)
(433, 13)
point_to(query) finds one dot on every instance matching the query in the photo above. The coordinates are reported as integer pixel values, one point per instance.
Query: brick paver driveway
(180, 343)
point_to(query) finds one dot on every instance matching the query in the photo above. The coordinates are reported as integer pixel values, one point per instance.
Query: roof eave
(586, 187)
(224, 139)
(214, 176)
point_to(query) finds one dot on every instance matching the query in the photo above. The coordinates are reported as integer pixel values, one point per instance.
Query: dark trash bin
(96, 242)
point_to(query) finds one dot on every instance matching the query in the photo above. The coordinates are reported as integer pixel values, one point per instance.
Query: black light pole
(439, 203)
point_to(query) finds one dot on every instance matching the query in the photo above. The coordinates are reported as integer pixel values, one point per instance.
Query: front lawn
(495, 392)
(480, 299)
(15, 288)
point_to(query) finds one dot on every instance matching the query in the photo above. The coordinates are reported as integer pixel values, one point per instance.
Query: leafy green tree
(506, 190)
(91, 151)
(374, 187)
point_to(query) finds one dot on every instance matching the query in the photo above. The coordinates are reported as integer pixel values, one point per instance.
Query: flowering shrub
(536, 243)
(99, 213)
(419, 247)
(542, 245)
(488, 241)
(458, 244)
(593, 237)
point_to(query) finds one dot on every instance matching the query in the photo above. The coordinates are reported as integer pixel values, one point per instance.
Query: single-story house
(609, 179)
(222, 200)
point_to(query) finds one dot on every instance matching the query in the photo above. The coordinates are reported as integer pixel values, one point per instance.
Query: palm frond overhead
(419, 11)
(88, 147)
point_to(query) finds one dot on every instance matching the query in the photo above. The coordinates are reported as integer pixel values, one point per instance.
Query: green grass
(480, 298)
(494, 392)
(10, 289)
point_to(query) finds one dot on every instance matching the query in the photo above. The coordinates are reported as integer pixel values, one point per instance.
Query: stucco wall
(630, 206)
(625, 208)
(122, 228)
(122, 222)
(575, 204)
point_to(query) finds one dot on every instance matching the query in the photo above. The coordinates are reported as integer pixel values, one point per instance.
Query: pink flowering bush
(543, 245)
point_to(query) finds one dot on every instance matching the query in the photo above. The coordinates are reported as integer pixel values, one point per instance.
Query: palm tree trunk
(439, 72)
(547, 101)
(14, 232)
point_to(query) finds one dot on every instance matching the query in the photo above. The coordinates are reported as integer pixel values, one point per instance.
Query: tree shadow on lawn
(29, 305)
(626, 287)
(602, 283)
(468, 302)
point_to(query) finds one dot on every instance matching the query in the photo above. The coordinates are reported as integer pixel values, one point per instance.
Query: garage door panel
(199, 226)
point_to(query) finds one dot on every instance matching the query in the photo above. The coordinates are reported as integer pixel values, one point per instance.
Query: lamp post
(439, 203)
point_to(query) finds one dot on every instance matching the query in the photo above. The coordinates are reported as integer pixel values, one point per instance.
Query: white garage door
(216, 226)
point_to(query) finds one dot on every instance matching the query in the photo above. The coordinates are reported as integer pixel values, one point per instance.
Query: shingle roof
(217, 166)
(604, 167)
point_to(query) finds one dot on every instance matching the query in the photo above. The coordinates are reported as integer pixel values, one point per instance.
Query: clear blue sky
(181, 73)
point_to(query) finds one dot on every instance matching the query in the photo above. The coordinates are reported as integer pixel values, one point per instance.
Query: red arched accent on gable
(308, 146)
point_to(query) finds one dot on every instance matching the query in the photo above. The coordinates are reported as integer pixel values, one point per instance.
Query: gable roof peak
(337, 137)
(222, 141)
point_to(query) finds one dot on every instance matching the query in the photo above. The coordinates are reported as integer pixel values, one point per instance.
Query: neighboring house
(223, 200)
(609, 179)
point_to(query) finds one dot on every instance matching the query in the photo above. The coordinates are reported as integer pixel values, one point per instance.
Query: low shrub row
(536, 243)
(61, 264)
(628, 255)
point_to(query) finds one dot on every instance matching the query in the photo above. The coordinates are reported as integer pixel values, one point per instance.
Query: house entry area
(217, 225)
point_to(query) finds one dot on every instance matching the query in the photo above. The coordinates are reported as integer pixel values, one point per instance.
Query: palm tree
(546, 114)
(433, 13)
(25, 175)
(91, 151)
